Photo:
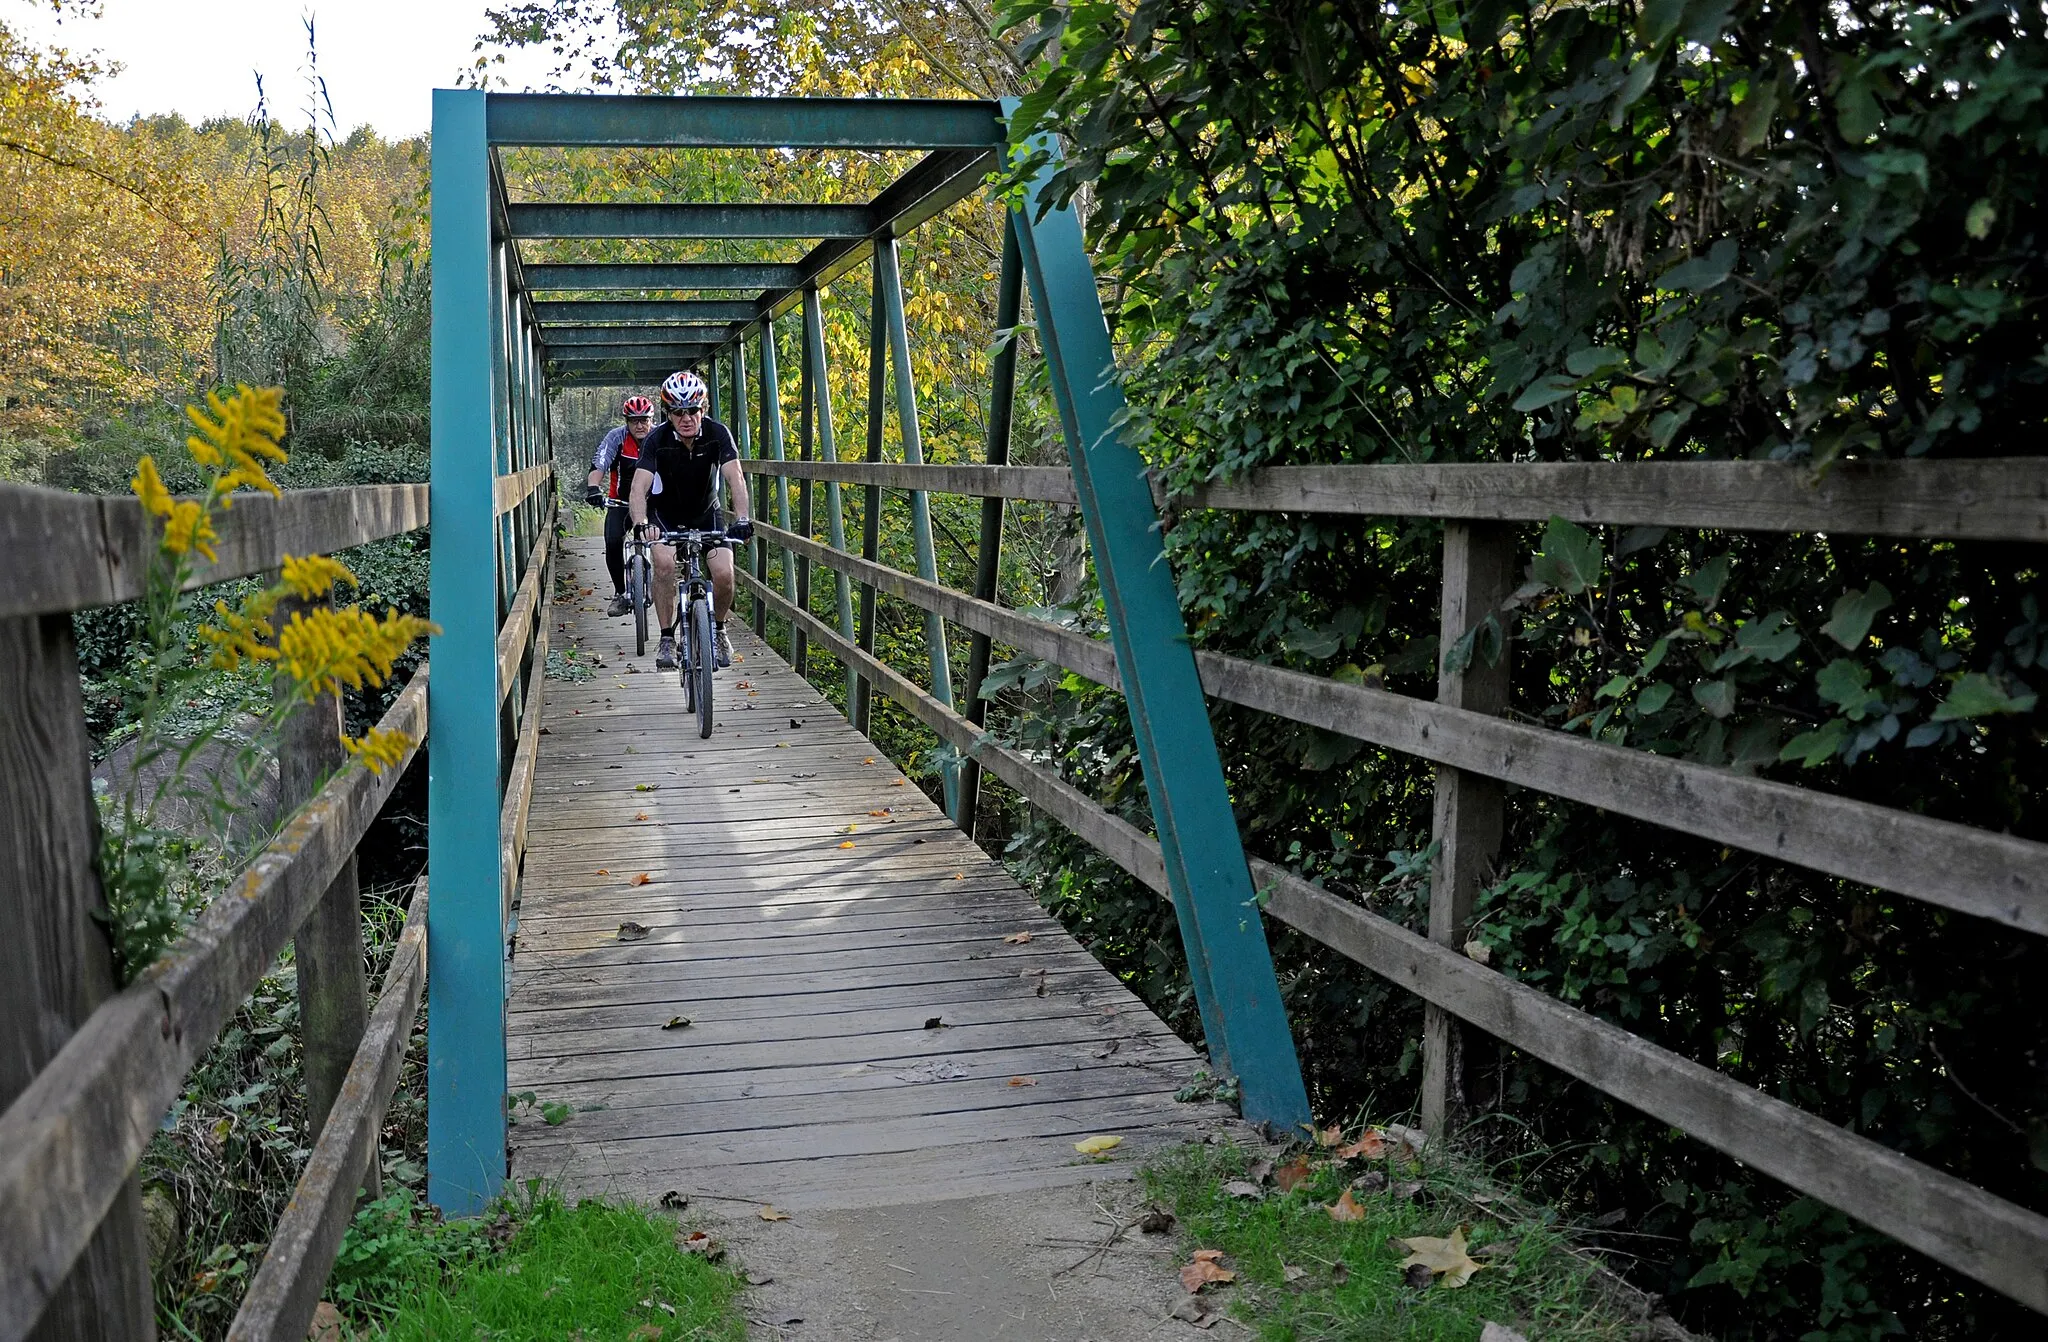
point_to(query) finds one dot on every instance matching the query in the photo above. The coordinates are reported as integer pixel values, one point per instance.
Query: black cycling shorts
(708, 520)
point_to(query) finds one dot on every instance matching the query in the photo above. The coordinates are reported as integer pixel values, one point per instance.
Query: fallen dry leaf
(642, 879)
(1346, 1208)
(1156, 1221)
(646, 1332)
(847, 844)
(1205, 1270)
(1095, 1146)
(1407, 1188)
(869, 760)
(1444, 1257)
(1291, 1175)
(959, 875)
(1290, 1272)
(884, 811)
(1372, 1181)
(326, 1323)
(900, 782)
(631, 931)
(1023, 1080)
(1479, 952)
(1195, 1310)
(604, 871)
(936, 1023)
(1370, 1145)
(770, 1214)
(1018, 938)
(1241, 1188)
(640, 815)
(1412, 1138)
(677, 1023)
(1499, 1332)
(701, 1244)
(849, 829)
(1329, 1136)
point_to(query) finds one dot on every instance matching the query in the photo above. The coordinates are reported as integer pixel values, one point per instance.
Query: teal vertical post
(465, 934)
(871, 496)
(771, 443)
(1220, 924)
(744, 434)
(828, 450)
(988, 553)
(886, 271)
(711, 383)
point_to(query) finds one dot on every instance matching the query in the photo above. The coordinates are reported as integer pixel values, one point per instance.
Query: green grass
(539, 1272)
(1352, 1286)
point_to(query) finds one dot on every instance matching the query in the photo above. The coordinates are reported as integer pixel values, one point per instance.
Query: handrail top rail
(67, 552)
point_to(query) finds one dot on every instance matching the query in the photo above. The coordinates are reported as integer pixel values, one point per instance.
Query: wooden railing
(1994, 876)
(88, 1071)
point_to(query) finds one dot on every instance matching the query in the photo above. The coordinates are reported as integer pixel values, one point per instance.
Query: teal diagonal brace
(828, 450)
(891, 280)
(1220, 923)
(465, 931)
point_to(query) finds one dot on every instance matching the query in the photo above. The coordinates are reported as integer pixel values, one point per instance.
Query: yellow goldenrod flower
(242, 428)
(324, 650)
(149, 487)
(313, 576)
(188, 528)
(243, 634)
(378, 748)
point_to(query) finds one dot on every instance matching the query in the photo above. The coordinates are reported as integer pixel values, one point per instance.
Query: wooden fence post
(55, 962)
(1479, 574)
(334, 987)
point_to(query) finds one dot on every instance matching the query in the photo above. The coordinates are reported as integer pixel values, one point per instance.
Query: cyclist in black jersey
(676, 485)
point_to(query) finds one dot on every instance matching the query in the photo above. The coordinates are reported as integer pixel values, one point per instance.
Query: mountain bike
(639, 580)
(696, 639)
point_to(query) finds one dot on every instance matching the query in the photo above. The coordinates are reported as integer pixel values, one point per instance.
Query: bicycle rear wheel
(686, 656)
(706, 649)
(636, 592)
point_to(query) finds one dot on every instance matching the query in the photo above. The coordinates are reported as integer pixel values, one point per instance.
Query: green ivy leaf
(1546, 390)
(1570, 560)
(1845, 683)
(1977, 695)
(1653, 698)
(1702, 273)
(1706, 581)
(1716, 696)
(1817, 747)
(1854, 612)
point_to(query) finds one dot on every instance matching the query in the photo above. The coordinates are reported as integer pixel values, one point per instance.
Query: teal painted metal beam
(871, 501)
(465, 932)
(729, 122)
(712, 221)
(638, 354)
(562, 312)
(889, 276)
(988, 553)
(569, 337)
(1228, 958)
(680, 276)
(828, 450)
(772, 444)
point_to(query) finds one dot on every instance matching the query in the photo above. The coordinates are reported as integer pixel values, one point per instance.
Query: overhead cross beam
(629, 353)
(571, 337)
(690, 221)
(742, 123)
(683, 275)
(559, 313)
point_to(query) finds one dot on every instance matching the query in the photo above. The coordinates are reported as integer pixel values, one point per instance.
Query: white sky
(382, 59)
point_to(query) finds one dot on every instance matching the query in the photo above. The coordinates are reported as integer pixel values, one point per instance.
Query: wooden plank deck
(807, 1077)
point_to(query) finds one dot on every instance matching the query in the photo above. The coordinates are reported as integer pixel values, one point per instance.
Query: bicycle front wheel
(636, 592)
(706, 648)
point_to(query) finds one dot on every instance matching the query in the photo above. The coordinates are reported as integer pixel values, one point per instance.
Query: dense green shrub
(1493, 231)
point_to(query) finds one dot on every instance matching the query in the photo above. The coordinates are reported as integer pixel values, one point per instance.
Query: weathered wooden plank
(2004, 498)
(512, 820)
(289, 1283)
(55, 970)
(1995, 876)
(509, 491)
(683, 969)
(64, 551)
(1964, 1227)
(69, 1141)
(1047, 484)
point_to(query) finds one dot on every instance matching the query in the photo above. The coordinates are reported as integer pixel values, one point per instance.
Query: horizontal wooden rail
(1996, 499)
(509, 491)
(518, 628)
(63, 551)
(2003, 1245)
(1047, 484)
(69, 1141)
(1995, 876)
(288, 1286)
(1995, 1241)
(2003, 498)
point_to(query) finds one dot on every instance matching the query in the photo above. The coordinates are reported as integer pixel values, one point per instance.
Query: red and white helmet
(637, 407)
(684, 391)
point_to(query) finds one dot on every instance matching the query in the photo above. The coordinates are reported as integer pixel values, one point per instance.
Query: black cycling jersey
(687, 471)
